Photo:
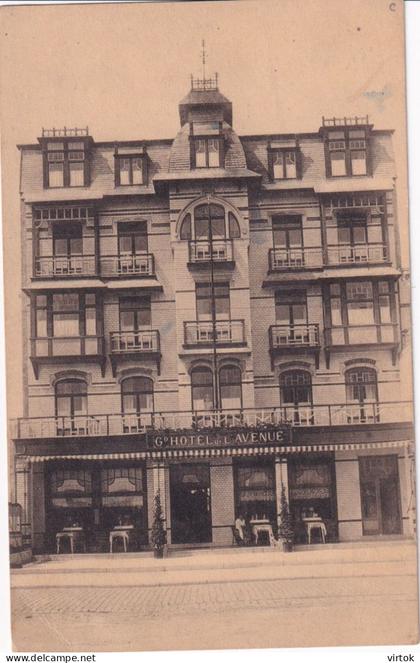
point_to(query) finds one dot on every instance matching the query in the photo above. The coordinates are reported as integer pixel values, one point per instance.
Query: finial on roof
(202, 84)
(203, 58)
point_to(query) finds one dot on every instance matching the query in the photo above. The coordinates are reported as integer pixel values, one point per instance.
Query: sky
(122, 69)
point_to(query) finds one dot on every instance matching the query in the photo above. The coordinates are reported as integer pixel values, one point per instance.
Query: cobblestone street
(360, 607)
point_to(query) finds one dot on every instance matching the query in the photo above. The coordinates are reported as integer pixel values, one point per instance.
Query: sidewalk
(228, 565)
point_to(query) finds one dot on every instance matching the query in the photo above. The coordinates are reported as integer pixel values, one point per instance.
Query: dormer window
(283, 161)
(206, 152)
(65, 164)
(130, 166)
(346, 149)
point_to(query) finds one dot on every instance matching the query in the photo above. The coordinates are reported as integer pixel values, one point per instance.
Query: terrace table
(262, 525)
(74, 535)
(120, 532)
(315, 523)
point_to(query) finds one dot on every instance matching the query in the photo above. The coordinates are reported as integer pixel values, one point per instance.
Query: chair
(236, 538)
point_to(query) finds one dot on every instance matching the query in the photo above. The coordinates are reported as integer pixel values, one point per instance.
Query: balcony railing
(358, 254)
(280, 259)
(225, 332)
(361, 334)
(135, 341)
(202, 251)
(66, 346)
(345, 121)
(46, 266)
(294, 415)
(286, 336)
(140, 264)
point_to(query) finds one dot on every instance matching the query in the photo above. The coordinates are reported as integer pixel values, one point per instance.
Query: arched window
(185, 232)
(296, 396)
(71, 398)
(210, 220)
(202, 388)
(230, 384)
(362, 394)
(137, 395)
(234, 229)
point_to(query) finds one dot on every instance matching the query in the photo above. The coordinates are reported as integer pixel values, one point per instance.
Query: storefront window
(312, 494)
(255, 491)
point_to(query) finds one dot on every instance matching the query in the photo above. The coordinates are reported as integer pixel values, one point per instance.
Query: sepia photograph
(208, 326)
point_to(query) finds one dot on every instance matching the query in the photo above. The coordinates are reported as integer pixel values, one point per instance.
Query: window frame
(348, 149)
(48, 306)
(71, 397)
(223, 284)
(282, 151)
(377, 294)
(135, 304)
(68, 148)
(296, 403)
(119, 157)
(230, 384)
(128, 229)
(137, 394)
(206, 139)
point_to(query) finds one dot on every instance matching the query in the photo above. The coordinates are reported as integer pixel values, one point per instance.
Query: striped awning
(220, 452)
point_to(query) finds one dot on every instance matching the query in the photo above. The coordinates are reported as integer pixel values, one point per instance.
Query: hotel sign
(235, 437)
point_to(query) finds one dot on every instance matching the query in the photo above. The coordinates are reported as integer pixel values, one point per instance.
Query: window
(312, 491)
(346, 152)
(361, 386)
(364, 310)
(230, 384)
(65, 164)
(135, 313)
(210, 220)
(206, 152)
(132, 238)
(359, 297)
(296, 388)
(255, 490)
(65, 315)
(71, 398)
(202, 390)
(67, 239)
(283, 164)
(204, 301)
(130, 170)
(137, 395)
(291, 308)
(288, 241)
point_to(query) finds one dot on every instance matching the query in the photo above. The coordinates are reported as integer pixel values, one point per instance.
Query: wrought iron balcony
(103, 425)
(202, 252)
(204, 333)
(64, 266)
(138, 265)
(55, 349)
(358, 254)
(128, 344)
(281, 260)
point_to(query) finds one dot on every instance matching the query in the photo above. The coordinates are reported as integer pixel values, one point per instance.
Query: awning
(223, 452)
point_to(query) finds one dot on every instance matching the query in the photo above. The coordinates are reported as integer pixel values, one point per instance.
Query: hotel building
(210, 317)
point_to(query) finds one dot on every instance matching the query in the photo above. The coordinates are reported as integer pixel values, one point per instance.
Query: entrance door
(379, 486)
(190, 503)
